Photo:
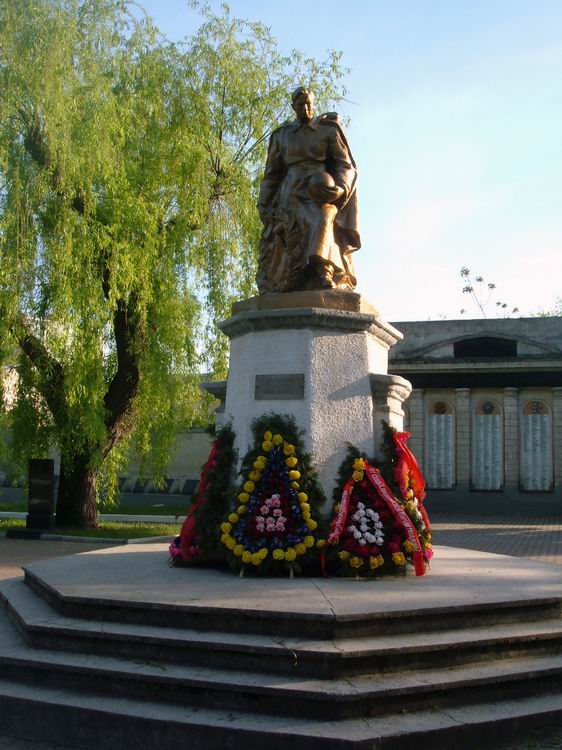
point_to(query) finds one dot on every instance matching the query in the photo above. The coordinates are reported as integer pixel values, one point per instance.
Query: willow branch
(51, 382)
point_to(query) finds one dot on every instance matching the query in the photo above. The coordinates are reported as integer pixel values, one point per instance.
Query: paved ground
(533, 536)
(17, 552)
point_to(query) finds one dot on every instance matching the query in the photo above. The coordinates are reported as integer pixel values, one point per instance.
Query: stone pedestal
(321, 357)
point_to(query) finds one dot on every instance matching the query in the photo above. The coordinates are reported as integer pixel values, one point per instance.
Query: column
(217, 389)
(511, 437)
(557, 437)
(389, 393)
(463, 436)
(417, 426)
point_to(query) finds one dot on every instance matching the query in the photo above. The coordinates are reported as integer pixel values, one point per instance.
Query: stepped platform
(114, 646)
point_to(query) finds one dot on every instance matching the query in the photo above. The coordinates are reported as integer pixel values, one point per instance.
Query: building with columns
(485, 411)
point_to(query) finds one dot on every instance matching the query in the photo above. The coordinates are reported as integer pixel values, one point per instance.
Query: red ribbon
(385, 493)
(188, 529)
(338, 524)
(407, 468)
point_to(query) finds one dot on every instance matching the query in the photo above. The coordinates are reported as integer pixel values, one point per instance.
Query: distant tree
(483, 295)
(553, 312)
(128, 175)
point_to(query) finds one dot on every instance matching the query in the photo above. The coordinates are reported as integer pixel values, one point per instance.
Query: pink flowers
(274, 522)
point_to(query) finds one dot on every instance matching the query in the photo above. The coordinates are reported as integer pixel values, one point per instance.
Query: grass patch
(11, 523)
(106, 529)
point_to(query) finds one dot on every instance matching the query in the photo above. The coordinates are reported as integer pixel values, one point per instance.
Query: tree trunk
(76, 499)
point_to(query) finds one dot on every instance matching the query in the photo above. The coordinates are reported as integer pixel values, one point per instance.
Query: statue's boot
(322, 276)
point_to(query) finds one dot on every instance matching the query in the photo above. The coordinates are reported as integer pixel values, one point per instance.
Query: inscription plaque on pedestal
(440, 464)
(286, 387)
(487, 448)
(536, 448)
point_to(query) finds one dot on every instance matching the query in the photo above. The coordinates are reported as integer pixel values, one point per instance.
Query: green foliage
(553, 312)
(106, 530)
(345, 470)
(129, 168)
(217, 497)
(388, 450)
(385, 466)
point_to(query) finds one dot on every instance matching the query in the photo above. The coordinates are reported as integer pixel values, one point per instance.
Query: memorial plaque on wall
(283, 387)
(536, 447)
(440, 454)
(487, 447)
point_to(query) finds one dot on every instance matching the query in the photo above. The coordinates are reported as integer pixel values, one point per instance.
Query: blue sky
(456, 127)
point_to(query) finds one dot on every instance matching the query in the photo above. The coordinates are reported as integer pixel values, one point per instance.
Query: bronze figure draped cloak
(308, 205)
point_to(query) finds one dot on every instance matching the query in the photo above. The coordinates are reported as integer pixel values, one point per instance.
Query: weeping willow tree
(128, 175)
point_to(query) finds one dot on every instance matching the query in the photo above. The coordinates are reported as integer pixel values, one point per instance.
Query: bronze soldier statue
(308, 204)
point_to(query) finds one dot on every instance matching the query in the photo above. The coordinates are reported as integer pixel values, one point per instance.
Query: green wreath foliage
(217, 496)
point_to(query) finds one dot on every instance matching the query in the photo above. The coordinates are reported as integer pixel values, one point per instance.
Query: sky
(455, 111)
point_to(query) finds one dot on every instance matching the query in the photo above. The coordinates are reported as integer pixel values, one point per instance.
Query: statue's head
(302, 101)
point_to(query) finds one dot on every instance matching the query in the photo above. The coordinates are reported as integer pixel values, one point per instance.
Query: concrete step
(296, 625)
(41, 627)
(294, 692)
(460, 683)
(103, 722)
(295, 695)
(137, 587)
